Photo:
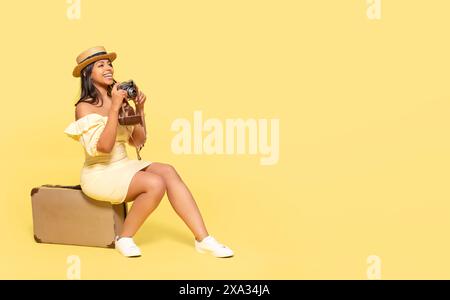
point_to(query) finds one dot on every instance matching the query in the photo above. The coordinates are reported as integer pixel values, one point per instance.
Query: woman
(109, 175)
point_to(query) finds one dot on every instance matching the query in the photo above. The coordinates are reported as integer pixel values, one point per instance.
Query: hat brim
(77, 70)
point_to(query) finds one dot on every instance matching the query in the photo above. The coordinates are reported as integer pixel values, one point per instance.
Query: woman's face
(102, 72)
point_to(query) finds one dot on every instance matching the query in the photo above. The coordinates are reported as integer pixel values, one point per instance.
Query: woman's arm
(138, 137)
(107, 139)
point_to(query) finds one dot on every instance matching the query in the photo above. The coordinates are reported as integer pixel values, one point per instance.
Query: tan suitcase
(65, 215)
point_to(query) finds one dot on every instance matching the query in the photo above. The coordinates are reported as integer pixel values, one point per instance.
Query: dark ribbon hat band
(93, 55)
(90, 55)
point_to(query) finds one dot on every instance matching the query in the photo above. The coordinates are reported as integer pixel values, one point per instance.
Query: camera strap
(138, 149)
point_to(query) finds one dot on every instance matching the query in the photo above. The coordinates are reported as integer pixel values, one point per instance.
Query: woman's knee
(169, 171)
(137, 186)
(155, 184)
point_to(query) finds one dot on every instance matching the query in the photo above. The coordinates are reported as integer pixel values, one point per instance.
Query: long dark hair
(89, 93)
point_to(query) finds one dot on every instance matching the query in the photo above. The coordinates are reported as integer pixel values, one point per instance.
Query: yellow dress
(104, 176)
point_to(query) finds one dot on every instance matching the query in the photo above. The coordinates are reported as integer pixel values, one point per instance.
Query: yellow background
(364, 148)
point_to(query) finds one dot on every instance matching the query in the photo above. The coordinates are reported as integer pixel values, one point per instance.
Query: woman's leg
(147, 190)
(180, 198)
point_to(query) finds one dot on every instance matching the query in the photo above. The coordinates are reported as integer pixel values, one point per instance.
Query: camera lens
(132, 92)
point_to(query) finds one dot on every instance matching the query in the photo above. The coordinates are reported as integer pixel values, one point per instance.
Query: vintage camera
(130, 88)
(127, 115)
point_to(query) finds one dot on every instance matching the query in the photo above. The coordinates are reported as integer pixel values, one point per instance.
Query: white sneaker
(209, 244)
(127, 247)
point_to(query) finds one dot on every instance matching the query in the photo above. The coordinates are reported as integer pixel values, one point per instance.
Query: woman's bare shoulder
(83, 108)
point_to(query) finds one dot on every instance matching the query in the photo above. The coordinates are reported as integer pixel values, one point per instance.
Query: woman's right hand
(117, 97)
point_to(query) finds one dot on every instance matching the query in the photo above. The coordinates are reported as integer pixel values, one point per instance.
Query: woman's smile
(103, 72)
(108, 78)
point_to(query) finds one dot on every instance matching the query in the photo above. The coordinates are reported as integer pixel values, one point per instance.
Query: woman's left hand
(140, 99)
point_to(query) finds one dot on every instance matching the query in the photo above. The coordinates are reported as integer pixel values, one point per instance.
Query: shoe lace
(133, 246)
(216, 243)
(130, 243)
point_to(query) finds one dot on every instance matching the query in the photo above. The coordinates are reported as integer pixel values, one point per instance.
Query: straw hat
(89, 56)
